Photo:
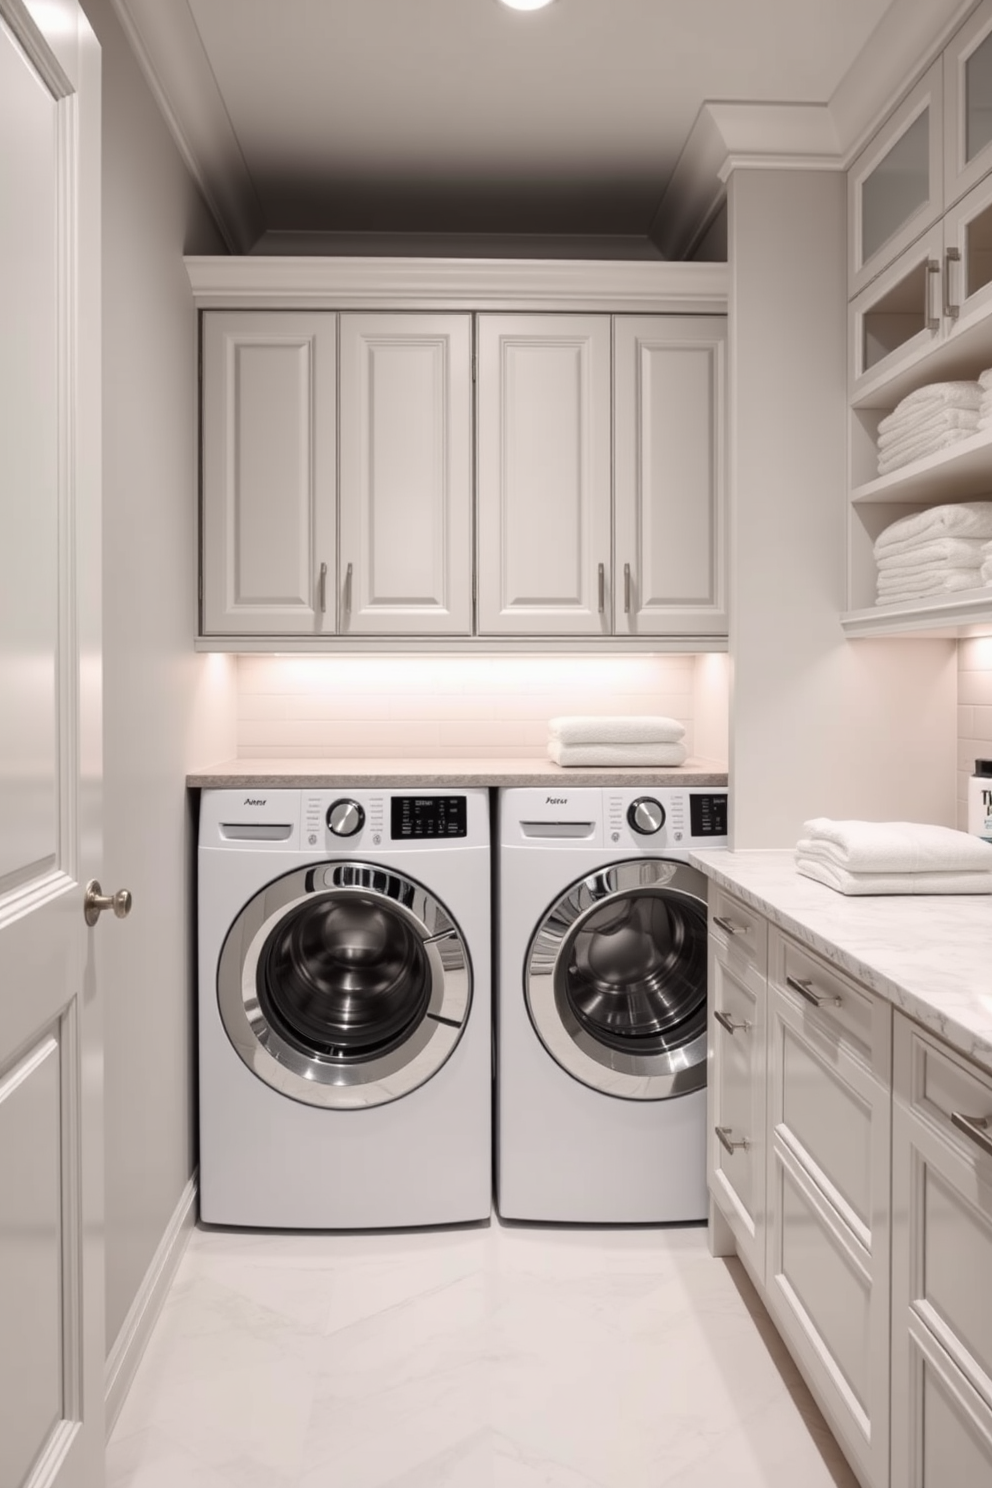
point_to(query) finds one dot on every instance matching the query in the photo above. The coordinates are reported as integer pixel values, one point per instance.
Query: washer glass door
(616, 980)
(344, 985)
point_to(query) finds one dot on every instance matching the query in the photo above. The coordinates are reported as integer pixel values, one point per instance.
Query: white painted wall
(974, 714)
(464, 706)
(167, 710)
(822, 726)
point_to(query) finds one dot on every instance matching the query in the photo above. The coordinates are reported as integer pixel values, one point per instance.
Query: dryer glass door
(344, 985)
(616, 980)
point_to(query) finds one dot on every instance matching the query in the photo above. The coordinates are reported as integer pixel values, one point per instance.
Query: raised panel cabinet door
(895, 187)
(52, 1354)
(968, 104)
(668, 431)
(544, 475)
(269, 412)
(405, 499)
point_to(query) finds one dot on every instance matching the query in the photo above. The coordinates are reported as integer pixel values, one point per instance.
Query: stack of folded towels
(928, 420)
(581, 740)
(864, 857)
(935, 552)
(985, 406)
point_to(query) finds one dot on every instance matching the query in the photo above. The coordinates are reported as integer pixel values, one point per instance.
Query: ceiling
(461, 116)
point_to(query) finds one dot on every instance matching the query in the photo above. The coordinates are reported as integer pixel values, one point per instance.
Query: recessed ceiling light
(526, 4)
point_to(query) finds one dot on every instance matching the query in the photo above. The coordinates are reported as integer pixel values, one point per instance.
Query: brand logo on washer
(556, 801)
(255, 801)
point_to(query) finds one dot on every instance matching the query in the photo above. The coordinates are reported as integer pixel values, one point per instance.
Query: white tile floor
(505, 1357)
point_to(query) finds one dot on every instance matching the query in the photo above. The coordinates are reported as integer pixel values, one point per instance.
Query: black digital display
(427, 816)
(708, 815)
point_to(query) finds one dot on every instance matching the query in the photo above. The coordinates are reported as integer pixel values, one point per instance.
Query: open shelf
(967, 612)
(961, 472)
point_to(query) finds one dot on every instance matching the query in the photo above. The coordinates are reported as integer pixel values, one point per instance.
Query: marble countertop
(930, 955)
(417, 774)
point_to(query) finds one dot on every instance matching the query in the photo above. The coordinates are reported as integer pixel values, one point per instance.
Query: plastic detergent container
(980, 800)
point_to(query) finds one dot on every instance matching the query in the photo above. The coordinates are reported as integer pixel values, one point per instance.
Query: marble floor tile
(489, 1357)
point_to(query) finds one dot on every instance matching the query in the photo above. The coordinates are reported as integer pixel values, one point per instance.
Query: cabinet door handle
(724, 1137)
(727, 1022)
(602, 588)
(731, 926)
(805, 988)
(626, 588)
(952, 311)
(323, 588)
(975, 1127)
(930, 322)
(347, 590)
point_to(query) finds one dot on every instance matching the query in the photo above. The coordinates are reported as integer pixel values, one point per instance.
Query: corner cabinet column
(406, 474)
(269, 413)
(669, 412)
(544, 475)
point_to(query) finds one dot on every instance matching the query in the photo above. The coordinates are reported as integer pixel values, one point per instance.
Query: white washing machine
(344, 1008)
(601, 1009)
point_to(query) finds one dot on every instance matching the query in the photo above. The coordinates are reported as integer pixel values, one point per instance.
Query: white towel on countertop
(942, 581)
(985, 572)
(919, 449)
(913, 427)
(927, 399)
(965, 519)
(894, 883)
(894, 846)
(580, 728)
(666, 755)
(955, 552)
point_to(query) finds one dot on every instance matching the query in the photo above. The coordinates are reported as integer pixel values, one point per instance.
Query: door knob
(96, 901)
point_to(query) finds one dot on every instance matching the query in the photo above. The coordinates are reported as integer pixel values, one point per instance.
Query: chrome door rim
(318, 1079)
(611, 1071)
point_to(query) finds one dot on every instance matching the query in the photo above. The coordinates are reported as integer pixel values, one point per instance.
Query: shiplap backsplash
(974, 713)
(447, 706)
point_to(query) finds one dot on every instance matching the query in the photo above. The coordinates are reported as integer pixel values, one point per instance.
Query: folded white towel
(956, 552)
(934, 395)
(642, 728)
(943, 581)
(894, 846)
(965, 519)
(894, 883)
(668, 755)
(985, 378)
(919, 449)
(890, 580)
(985, 572)
(912, 426)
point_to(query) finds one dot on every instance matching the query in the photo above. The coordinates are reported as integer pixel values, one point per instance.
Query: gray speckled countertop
(930, 955)
(458, 774)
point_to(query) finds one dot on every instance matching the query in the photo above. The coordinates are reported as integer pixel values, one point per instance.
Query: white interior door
(51, 1179)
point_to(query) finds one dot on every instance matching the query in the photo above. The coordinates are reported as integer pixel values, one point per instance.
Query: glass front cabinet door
(895, 187)
(968, 105)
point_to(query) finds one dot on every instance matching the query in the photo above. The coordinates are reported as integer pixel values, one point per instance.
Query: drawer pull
(727, 1022)
(726, 1140)
(805, 988)
(731, 927)
(975, 1127)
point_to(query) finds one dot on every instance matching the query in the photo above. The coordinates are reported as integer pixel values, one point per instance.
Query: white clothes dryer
(601, 1007)
(344, 1008)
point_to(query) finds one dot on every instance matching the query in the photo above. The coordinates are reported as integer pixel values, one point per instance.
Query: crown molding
(458, 284)
(166, 43)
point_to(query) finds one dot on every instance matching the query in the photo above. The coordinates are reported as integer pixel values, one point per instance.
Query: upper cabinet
(544, 475)
(355, 486)
(405, 497)
(668, 413)
(968, 105)
(269, 473)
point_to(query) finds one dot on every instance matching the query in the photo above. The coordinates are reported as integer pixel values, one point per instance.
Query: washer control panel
(665, 818)
(427, 816)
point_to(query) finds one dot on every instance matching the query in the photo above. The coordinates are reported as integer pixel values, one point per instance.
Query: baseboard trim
(132, 1340)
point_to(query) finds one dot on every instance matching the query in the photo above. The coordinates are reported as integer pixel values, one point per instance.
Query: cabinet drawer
(827, 996)
(942, 1429)
(742, 932)
(942, 1086)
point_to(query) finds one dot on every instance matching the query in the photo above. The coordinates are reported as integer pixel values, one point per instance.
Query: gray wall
(821, 725)
(166, 710)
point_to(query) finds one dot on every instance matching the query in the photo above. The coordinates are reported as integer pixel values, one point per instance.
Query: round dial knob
(345, 818)
(646, 815)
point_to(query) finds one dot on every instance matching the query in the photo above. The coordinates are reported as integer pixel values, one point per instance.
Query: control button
(646, 815)
(345, 818)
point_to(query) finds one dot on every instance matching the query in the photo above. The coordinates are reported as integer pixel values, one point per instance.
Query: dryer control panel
(647, 819)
